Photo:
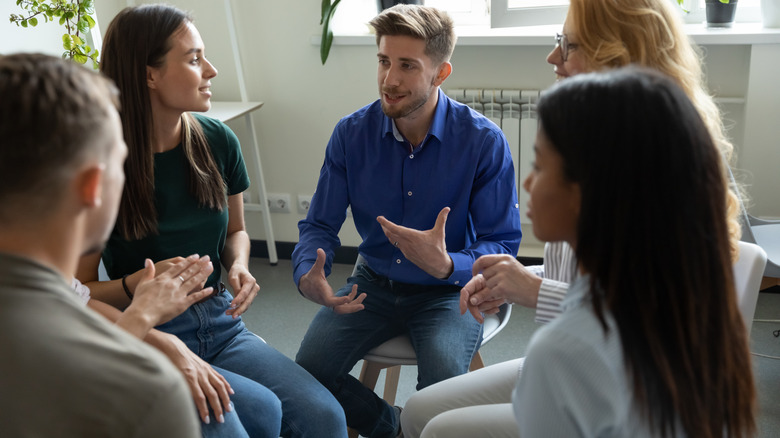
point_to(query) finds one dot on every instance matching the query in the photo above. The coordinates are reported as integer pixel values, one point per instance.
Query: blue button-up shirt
(464, 163)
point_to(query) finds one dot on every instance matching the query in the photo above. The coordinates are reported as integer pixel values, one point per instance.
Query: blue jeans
(273, 396)
(444, 340)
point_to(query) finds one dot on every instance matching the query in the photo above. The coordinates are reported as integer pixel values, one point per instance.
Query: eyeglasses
(562, 41)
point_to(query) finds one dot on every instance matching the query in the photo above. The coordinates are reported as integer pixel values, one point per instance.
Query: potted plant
(75, 15)
(329, 8)
(720, 13)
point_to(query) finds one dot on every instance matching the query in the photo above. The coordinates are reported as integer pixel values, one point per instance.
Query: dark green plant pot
(720, 14)
(381, 5)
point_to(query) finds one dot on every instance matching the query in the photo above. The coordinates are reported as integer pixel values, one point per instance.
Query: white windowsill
(740, 34)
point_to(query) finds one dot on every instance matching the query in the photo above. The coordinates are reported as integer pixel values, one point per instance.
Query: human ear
(89, 185)
(151, 77)
(445, 70)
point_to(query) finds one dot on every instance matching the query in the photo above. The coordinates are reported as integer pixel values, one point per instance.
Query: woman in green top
(185, 176)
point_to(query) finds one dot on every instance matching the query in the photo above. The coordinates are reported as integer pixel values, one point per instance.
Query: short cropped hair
(53, 115)
(429, 24)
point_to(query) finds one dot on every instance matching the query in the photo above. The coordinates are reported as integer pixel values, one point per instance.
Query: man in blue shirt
(431, 186)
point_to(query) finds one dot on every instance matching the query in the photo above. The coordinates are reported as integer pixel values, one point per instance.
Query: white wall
(304, 100)
(44, 38)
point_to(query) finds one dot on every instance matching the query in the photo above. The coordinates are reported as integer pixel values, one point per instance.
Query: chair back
(763, 232)
(748, 272)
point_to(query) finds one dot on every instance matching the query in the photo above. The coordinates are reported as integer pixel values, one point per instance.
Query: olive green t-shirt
(185, 227)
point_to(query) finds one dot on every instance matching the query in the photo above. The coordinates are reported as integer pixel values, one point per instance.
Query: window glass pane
(518, 4)
(450, 5)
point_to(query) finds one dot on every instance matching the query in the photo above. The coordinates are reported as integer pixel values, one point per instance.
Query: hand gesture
(164, 265)
(245, 287)
(426, 249)
(164, 296)
(315, 287)
(207, 386)
(498, 278)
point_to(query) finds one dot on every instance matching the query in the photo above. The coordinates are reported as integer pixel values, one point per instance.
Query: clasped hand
(498, 279)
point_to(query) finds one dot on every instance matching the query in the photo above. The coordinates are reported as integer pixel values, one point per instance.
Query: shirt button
(398, 261)
(409, 193)
(411, 156)
(457, 281)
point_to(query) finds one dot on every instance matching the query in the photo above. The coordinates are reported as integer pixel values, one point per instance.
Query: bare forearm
(110, 292)
(237, 246)
(132, 321)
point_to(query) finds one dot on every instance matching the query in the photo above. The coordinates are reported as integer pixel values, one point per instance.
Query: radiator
(514, 111)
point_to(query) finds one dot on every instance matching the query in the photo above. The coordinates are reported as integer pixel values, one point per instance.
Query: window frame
(502, 16)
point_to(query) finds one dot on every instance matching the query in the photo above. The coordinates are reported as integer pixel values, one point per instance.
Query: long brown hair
(653, 236)
(650, 33)
(136, 38)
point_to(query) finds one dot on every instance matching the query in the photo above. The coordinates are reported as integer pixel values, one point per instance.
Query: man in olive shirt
(65, 371)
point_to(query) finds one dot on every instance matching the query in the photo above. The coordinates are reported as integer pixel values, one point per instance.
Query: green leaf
(62, 21)
(33, 21)
(67, 42)
(81, 59)
(24, 23)
(327, 41)
(77, 41)
(325, 10)
(327, 34)
(90, 21)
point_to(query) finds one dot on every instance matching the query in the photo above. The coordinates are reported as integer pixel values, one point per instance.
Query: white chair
(766, 234)
(399, 351)
(748, 271)
(762, 232)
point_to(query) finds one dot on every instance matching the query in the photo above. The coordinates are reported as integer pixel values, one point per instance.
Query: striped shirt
(557, 272)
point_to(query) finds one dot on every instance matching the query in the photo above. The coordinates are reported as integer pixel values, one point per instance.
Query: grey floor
(280, 315)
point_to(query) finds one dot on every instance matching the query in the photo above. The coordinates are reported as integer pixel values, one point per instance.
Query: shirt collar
(578, 292)
(437, 124)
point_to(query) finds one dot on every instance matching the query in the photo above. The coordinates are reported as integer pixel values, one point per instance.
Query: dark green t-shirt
(185, 227)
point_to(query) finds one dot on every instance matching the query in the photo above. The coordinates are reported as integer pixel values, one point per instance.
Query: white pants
(478, 403)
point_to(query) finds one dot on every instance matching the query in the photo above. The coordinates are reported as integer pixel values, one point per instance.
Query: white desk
(226, 111)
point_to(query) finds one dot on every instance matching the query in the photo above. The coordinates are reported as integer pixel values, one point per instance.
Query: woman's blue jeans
(444, 341)
(273, 396)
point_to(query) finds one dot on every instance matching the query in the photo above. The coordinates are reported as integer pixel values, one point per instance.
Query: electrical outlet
(304, 202)
(278, 202)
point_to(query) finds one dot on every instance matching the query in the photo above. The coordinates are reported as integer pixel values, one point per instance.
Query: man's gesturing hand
(426, 249)
(314, 286)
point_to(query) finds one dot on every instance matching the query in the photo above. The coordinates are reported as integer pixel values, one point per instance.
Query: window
(464, 12)
(513, 13)
(747, 10)
(352, 15)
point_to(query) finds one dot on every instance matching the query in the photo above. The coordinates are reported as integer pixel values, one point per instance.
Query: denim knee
(261, 417)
